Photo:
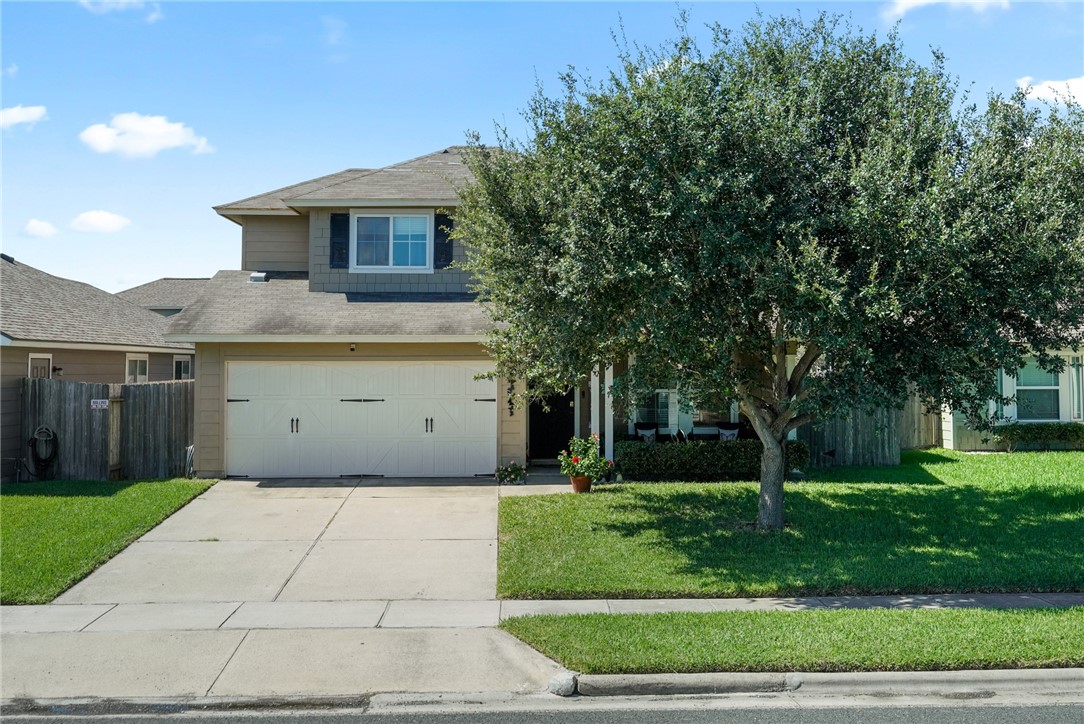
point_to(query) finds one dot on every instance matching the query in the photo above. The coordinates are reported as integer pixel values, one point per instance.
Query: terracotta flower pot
(580, 483)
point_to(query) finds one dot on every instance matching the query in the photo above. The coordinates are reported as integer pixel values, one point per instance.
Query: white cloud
(21, 114)
(1052, 90)
(101, 7)
(11, 71)
(898, 8)
(99, 222)
(38, 228)
(138, 136)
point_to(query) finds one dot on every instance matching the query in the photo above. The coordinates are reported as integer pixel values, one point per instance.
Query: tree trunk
(772, 472)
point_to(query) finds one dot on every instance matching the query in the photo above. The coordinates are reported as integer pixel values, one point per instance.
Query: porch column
(594, 401)
(609, 422)
(577, 393)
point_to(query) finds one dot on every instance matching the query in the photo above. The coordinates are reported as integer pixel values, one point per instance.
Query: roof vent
(6, 257)
(257, 277)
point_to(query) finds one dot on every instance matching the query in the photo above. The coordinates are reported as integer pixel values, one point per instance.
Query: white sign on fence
(99, 404)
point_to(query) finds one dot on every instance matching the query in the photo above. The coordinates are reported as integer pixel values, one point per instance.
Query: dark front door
(549, 432)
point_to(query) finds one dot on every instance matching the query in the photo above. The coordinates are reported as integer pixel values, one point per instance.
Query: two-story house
(348, 345)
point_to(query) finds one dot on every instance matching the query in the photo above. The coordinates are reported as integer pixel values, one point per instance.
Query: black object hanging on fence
(43, 449)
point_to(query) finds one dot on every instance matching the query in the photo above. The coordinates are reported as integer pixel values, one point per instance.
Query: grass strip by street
(940, 522)
(780, 641)
(53, 533)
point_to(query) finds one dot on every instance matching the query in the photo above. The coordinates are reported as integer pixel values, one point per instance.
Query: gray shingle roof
(272, 200)
(167, 293)
(231, 305)
(41, 307)
(432, 177)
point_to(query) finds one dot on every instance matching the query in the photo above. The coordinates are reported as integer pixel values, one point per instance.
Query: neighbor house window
(1037, 394)
(391, 242)
(182, 367)
(39, 366)
(136, 368)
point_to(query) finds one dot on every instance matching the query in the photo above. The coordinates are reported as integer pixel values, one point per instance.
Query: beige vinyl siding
(12, 370)
(275, 243)
(79, 365)
(211, 359)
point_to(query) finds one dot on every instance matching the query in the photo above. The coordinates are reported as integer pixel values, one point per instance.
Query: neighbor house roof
(35, 306)
(167, 293)
(433, 177)
(283, 309)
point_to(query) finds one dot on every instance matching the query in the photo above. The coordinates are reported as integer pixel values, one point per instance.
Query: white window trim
(355, 214)
(127, 360)
(38, 355)
(179, 358)
(1076, 387)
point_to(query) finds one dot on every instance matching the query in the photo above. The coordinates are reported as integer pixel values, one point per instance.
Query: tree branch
(810, 355)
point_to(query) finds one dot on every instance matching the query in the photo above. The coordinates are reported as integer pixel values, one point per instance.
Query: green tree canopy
(801, 190)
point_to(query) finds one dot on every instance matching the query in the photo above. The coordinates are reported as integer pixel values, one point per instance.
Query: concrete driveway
(312, 540)
(286, 588)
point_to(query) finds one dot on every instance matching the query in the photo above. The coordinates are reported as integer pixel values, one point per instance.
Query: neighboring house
(165, 296)
(55, 327)
(1039, 396)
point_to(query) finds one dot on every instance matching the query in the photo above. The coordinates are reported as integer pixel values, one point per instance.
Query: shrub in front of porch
(1041, 435)
(699, 461)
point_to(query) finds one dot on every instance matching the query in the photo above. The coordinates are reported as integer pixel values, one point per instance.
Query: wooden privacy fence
(110, 432)
(857, 439)
(871, 438)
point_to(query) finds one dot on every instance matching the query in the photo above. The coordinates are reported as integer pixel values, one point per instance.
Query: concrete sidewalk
(454, 614)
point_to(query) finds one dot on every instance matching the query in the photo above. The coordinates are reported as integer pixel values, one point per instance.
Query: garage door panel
(390, 437)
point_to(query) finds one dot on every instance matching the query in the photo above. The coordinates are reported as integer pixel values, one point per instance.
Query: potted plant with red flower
(583, 464)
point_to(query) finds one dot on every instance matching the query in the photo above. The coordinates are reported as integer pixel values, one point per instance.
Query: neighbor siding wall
(275, 243)
(211, 383)
(322, 278)
(79, 365)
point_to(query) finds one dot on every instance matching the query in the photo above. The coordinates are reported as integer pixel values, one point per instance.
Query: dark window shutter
(442, 245)
(340, 241)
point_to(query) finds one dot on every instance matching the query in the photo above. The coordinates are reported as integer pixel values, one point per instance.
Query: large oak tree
(800, 217)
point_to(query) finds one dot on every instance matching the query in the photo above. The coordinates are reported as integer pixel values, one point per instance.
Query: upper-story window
(391, 242)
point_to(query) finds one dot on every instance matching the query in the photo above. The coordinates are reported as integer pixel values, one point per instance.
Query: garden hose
(43, 450)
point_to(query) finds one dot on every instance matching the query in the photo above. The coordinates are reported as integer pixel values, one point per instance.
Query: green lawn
(52, 534)
(940, 522)
(837, 640)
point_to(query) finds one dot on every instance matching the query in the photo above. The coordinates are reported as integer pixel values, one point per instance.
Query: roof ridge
(446, 149)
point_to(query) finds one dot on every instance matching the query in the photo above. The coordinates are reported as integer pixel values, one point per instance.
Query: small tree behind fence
(105, 432)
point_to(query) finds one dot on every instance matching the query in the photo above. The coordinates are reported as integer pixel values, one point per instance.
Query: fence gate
(109, 432)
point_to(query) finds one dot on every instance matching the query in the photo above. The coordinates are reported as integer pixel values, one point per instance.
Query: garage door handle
(485, 399)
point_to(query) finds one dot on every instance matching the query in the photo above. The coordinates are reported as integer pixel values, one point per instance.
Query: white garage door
(326, 419)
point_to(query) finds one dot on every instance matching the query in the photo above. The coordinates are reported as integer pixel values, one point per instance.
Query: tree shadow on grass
(865, 539)
(65, 488)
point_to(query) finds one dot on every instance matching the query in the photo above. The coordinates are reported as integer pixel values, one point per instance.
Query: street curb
(92, 706)
(962, 684)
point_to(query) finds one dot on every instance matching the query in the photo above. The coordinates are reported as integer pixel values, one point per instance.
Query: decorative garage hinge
(235, 399)
(359, 399)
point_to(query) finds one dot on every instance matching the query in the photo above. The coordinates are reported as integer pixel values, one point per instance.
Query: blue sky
(124, 122)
